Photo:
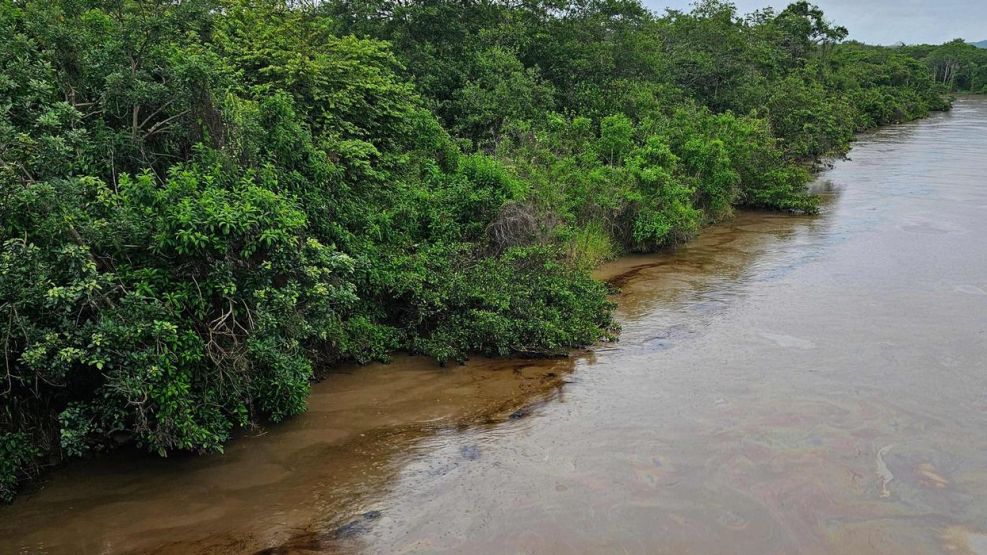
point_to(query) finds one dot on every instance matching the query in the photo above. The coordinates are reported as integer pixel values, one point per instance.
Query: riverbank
(195, 219)
(362, 424)
(774, 362)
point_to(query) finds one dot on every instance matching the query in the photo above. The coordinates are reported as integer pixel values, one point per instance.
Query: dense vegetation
(957, 65)
(204, 201)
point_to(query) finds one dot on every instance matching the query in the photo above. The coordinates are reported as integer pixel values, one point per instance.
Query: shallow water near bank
(782, 385)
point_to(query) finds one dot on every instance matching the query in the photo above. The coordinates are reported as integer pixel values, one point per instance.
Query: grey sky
(885, 21)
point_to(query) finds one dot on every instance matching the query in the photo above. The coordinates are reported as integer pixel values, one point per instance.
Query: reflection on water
(782, 385)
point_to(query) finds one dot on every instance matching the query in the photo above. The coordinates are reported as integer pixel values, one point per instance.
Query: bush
(523, 302)
(172, 310)
(17, 456)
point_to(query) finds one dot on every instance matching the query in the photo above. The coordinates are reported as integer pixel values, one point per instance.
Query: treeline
(956, 65)
(203, 202)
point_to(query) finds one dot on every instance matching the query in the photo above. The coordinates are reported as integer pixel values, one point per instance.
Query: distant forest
(957, 65)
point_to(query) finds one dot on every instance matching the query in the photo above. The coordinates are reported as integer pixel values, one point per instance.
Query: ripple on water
(931, 228)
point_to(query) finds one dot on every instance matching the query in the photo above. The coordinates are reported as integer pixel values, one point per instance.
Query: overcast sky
(885, 21)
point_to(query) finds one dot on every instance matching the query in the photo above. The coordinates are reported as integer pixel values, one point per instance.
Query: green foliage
(497, 89)
(205, 204)
(17, 456)
(525, 301)
(956, 65)
(172, 309)
(809, 120)
(589, 246)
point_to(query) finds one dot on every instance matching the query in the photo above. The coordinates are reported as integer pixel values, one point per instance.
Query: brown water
(782, 385)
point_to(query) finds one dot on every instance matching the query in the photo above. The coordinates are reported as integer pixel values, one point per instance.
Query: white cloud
(885, 21)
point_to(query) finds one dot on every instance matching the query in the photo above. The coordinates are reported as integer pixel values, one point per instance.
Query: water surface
(782, 385)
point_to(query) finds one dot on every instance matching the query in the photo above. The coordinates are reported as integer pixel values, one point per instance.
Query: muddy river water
(782, 385)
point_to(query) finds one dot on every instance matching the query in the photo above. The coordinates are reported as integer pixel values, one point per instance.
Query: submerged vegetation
(202, 202)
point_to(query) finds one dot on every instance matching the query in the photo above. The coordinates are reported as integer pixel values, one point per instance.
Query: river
(782, 385)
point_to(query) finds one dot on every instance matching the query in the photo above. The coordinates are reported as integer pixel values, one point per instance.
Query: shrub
(17, 456)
